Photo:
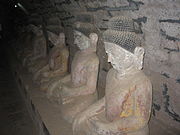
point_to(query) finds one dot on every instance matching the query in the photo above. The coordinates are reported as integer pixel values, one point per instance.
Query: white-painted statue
(126, 107)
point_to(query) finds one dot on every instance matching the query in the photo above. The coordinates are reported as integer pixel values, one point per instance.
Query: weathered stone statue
(34, 60)
(77, 91)
(126, 107)
(57, 62)
(24, 42)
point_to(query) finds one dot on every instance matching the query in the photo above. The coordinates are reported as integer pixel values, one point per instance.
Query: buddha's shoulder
(64, 51)
(142, 77)
(93, 58)
(111, 73)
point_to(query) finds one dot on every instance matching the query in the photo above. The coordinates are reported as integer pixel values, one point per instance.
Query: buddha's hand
(45, 74)
(44, 80)
(66, 95)
(66, 92)
(98, 127)
(53, 89)
(78, 121)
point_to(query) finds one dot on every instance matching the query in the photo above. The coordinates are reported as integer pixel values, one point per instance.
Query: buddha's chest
(58, 59)
(120, 99)
(79, 71)
(39, 45)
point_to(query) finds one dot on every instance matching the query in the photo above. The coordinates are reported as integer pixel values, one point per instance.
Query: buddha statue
(126, 107)
(24, 42)
(57, 62)
(36, 59)
(77, 91)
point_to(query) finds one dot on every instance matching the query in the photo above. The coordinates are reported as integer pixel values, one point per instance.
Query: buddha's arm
(58, 72)
(58, 83)
(128, 124)
(96, 108)
(37, 56)
(64, 64)
(44, 68)
(65, 79)
(92, 110)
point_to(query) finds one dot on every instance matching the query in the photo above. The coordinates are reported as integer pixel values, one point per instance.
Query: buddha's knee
(80, 126)
(68, 114)
(44, 86)
(70, 110)
(142, 131)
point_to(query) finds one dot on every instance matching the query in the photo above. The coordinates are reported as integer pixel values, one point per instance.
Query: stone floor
(14, 117)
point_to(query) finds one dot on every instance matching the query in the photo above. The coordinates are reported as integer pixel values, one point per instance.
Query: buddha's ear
(139, 53)
(77, 33)
(93, 37)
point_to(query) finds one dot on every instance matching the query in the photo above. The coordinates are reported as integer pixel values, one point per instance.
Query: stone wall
(159, 27)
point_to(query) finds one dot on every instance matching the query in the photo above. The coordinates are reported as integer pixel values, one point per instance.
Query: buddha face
(62, 37)
(121, 58)
(37, 30)
(81, 40)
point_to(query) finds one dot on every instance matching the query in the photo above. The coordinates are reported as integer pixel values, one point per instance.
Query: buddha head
(56, 40)
(37, 30)
(123, 50)
(121, 23)
(61, 39)
(85, 36)
(83, 42)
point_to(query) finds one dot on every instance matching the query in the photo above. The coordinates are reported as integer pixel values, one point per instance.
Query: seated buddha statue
(57, 62)
(126, 107)
(36, 59)
(24, 42)
(77, 91)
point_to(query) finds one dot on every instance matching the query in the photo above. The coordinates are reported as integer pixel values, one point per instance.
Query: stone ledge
(46, 115)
